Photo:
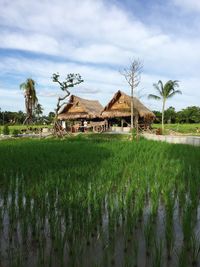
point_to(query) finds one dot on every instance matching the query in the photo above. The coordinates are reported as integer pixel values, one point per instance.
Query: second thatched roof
(80, 108)
(120, 106)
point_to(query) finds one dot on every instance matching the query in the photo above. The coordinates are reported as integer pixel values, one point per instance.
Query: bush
(6, 130)
(15, 132)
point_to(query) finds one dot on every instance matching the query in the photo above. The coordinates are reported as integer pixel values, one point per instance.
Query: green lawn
(181, 128)
(24, 127)
(84, 201)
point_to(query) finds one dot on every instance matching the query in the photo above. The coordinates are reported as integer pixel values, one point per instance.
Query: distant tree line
(11, 118)
(187, 115)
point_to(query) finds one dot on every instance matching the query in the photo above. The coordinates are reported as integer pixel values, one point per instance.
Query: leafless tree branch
(132, 75)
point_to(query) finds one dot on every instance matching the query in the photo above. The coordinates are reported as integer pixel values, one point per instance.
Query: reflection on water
(52, 229)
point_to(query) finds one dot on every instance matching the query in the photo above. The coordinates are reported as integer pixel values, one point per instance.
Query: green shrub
(15, 132)
(6, 130)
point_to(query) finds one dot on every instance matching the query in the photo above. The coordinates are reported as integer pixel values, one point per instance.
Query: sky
(98, 39)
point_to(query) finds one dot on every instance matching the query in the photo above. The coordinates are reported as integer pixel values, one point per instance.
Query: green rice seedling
(157, 259)
(90, 190)
(195, 249)
(1, 218)
(155, 196)
(182, 258)
(187, 226)
(149, 236)
(170, 239)
(169, 228)
(181, 199)
(135, 252)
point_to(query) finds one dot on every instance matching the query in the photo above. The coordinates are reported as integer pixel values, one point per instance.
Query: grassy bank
(90, 202)
(19, 128)
(193, 129)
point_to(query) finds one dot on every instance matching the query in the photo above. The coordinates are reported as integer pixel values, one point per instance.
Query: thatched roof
(79, 108)
(120, 106)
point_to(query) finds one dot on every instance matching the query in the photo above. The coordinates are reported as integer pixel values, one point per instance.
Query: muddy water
(103, 246)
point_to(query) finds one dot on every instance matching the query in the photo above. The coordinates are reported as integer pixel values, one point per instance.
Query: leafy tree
(30, 98)
(170, 115)
(38, 110)
(51, 116)
(165, 92)
(189, 115)
(2, 116)
(70, 81)
(20, 116)
(158, 116)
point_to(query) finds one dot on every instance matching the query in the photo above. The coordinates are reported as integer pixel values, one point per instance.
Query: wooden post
(122, 123)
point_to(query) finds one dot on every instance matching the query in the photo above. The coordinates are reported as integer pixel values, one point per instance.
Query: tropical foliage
(165, 91)
(38, 110)
(30, 98)
(186, 115)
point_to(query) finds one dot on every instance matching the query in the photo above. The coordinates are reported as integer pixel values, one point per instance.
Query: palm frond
(161, 83)
(176, 83)
(23, 86)
(151, 96)
(174, 93)
(161, 86)
(156, 86)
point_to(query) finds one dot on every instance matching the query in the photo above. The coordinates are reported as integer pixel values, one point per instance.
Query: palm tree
(30, 98)
(164, 92)
(38, 110)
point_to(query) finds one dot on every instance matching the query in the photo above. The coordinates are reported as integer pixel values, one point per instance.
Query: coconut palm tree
(38, 110)
(30, 98)
(164, 92)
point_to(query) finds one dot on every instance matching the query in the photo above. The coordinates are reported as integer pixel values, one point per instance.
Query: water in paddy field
(48, 230)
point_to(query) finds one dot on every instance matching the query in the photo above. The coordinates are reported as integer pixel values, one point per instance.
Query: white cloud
(93, 34)
(11, 99)
(99, 83)
(29, 42)
(188, 5)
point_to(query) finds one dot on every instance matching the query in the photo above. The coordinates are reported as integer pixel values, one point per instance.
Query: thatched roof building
(79, 108)
(120, 106)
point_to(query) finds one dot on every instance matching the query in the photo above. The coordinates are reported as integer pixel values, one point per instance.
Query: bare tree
(70, 81)
(132, 75)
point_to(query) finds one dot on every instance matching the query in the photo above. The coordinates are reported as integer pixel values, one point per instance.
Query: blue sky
(97, 38)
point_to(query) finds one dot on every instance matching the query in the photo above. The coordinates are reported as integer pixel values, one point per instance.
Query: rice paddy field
(99, 202)
(191, 129)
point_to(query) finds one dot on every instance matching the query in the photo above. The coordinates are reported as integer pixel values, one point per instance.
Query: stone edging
(180, 139)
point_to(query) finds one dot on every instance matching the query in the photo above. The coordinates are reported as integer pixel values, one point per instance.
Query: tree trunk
(136, 124)
(163, 114)
(132, 123)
